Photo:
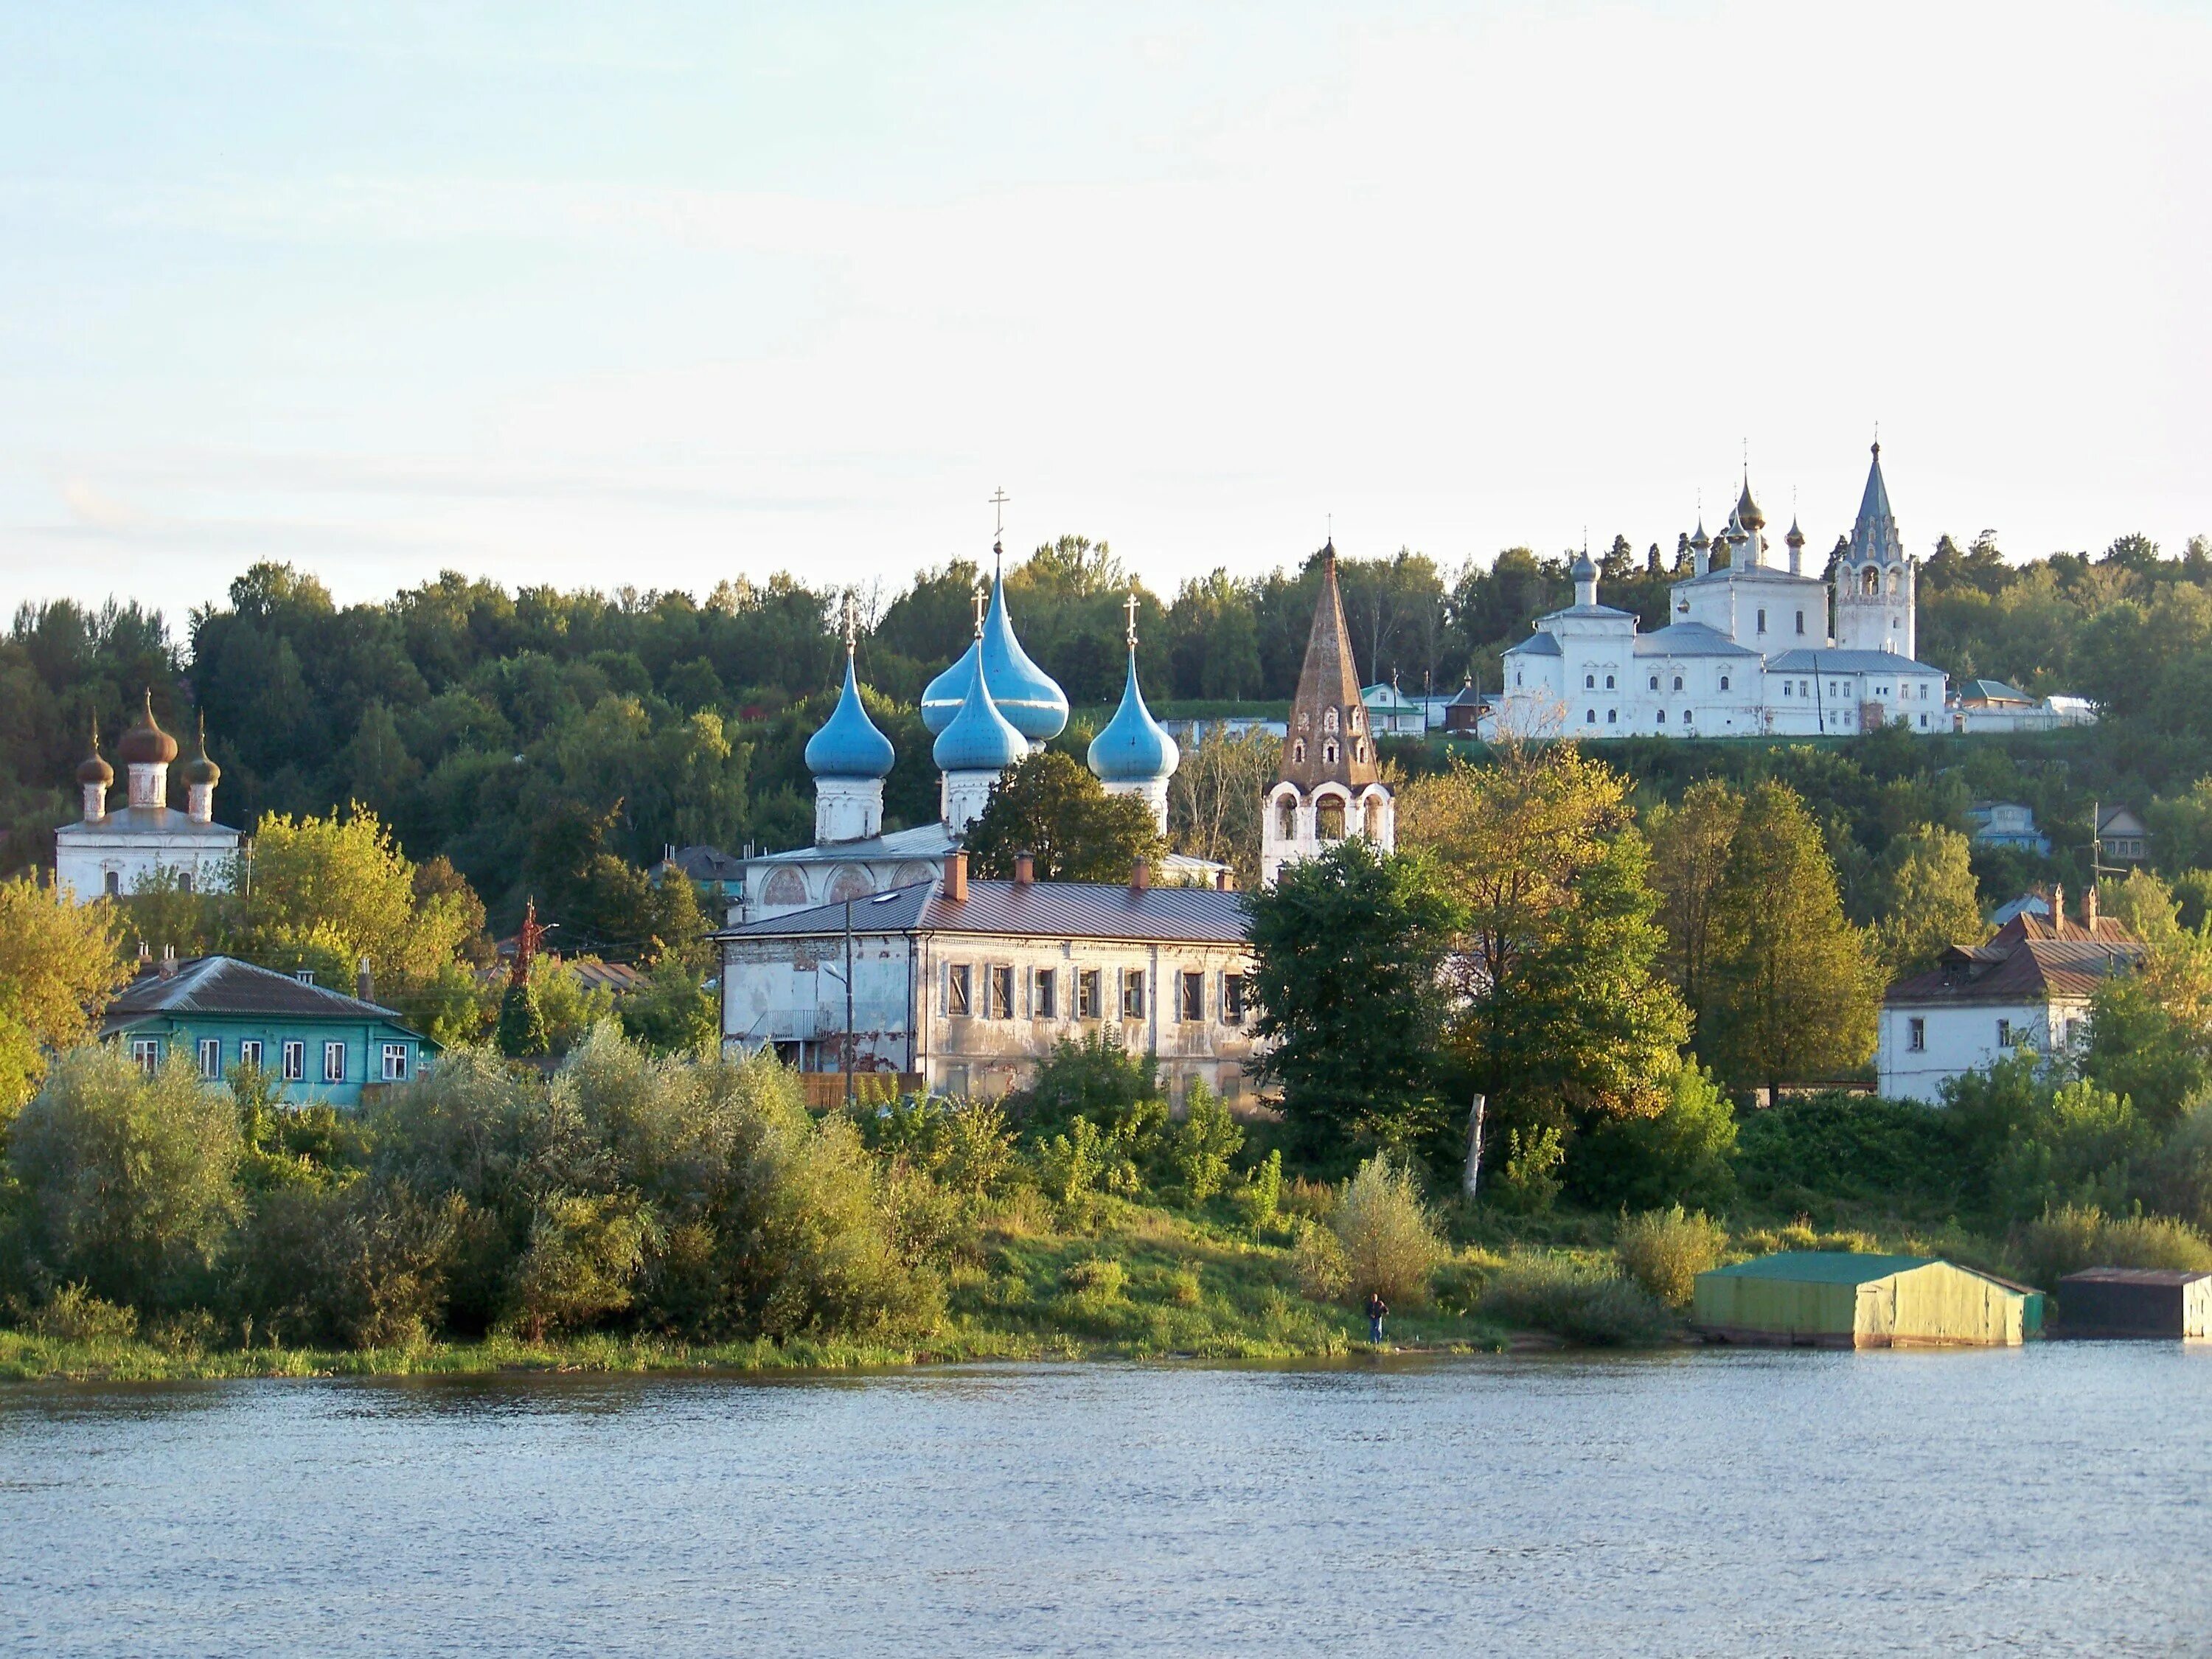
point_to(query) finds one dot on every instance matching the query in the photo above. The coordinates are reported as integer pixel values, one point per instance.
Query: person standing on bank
(1377, 1311)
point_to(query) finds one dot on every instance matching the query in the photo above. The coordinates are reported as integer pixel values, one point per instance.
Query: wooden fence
(825, 1091)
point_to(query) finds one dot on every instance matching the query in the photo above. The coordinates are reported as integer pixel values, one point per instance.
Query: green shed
(1835, 1299)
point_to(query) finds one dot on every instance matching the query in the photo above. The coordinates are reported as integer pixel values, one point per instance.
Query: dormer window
(1329, 721)
(1298, 752)
(1328, 754)
(1305, 719)
(1352, 720)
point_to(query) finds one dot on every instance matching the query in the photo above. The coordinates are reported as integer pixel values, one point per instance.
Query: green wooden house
(221, 1012)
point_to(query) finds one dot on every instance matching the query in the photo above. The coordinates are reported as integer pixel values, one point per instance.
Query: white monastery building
(110, 853)
(2029, 987)
(1750, 648)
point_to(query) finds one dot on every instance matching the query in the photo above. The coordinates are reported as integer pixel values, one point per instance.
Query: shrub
(1309, 1200)
(1390, 1245)
(1184, 1288)
(74, 1314)
(1528, 1179)
(583, 1256)
(1851, 1147)
(1261, 1197)
(360, 1267)
(1665, 1250)
(1101, 1278)
(1204, 1142)
(2057, 1242)
(125, 1180)
(1550, 1293)
(1095, 1077)
(2149, 1241)
(1317, 1257)
(2177, 1178)
(2079, 1145)
(1679, 1156)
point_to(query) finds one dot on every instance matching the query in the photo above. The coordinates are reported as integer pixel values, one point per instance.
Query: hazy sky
(656, 295)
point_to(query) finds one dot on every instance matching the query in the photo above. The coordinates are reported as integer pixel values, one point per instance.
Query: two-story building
(322, 1046)
(963, 987)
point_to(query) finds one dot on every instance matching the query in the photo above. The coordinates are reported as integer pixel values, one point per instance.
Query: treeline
(479, 723)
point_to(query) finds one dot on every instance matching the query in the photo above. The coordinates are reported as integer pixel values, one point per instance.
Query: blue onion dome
(942, 697)
(849, 745)
(979, 738)
(1133, 749)
(1025, 694)
(1582, 570)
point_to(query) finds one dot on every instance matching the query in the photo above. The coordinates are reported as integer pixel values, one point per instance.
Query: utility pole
(847, 1057)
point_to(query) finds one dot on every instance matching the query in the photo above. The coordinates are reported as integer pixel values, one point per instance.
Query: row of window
(113, 883)
(2009, 1036)
(1762, 620)
(1329, 751)
(990, 994)
(1328, 819)
(292, 1059)
(1589, 682)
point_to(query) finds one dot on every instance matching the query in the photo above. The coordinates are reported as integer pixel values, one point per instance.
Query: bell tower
(1874, 581)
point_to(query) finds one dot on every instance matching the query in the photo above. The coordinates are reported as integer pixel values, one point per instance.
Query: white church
(107, 853)
(1751, 648)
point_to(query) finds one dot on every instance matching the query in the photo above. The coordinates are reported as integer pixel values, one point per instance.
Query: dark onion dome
(200, 768)
(979, 738)
(1797, 536)
(1133, 749)
(1025, 693)
(145, 744)
(93, 768)
(1746, 510)
(849, 745)
(942, 697)
(1701, 539)
(1582, 570)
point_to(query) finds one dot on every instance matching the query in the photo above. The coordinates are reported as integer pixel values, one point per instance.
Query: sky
(662, 295)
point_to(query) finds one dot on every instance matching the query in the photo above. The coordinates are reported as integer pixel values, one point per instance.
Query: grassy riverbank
(1149, 1284)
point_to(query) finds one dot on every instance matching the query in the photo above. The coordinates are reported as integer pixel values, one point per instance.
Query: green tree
(59, 965)
(673, 1013)
(1797, 988)
(1931, 902)
(1562, 1008)
(1050, 807)
(1690, 845)
(1679, 1155)
(521, 1023)
(1347, 953)
(125, 1180)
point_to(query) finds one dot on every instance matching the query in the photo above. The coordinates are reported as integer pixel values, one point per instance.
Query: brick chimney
(956, 877)
(1025, 869)
(1140, 876)
(1224, 881)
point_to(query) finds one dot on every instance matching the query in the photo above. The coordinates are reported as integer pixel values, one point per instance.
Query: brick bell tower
(1331, 786)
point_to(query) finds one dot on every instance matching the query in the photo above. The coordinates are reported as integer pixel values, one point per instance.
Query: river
(2051, 1499)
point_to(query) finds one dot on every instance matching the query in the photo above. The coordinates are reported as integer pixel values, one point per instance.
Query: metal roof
(1536, 645)
(2026, 971)
(2134, 1276)
(1825, 1266)
(1689, 639)
(1806, 660)
(148, 820)
(1046, 909)
(1740, 573)
(224, 985)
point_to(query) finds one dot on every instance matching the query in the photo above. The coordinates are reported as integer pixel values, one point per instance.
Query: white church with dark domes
(110, 853)
(1750, 648)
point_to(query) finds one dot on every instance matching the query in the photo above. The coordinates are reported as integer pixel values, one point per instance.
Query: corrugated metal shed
(1835, 1299)
(2136, 1302)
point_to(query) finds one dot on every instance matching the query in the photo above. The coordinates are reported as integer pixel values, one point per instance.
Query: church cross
(979, 610)
(999, 501)
(1130, 605)
(852, 623)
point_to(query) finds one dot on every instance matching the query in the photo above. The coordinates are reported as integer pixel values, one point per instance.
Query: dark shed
(2136, 1302)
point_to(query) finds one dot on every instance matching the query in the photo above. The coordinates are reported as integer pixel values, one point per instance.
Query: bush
(1527, 1180)
(1204, 1142)
(1309, 1200)
(359, 1266)
(125, 1180)
(2073, 1236)
(1390, 1245)
(2177, 1178)
(1853, 1147)
(583, 1256)
(2079, 1145)
(1317, 1257)
(1095, 1077)
(1100, 1278)
(2148, 1241)
(1550, 1293)
(1679, 1156)
(76, 1314)
(1665, 1250)
(1261, 1197)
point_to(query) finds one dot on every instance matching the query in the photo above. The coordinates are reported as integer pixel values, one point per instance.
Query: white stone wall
(85, 856)
(1955, 1040)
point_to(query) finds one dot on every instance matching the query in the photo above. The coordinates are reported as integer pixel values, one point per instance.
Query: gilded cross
(852, 623)
(1130, 605)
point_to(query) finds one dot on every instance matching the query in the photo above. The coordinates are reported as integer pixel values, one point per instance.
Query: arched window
(1329, 817)
(1516, 679)
(1374, 816)
(1762, 619)
(1590, 717)
(1359, 748)
(1896, 579)
(1608, 682)
(1873, 583)
(1678, 682)
(1286, 819)
(1613, 717)
(1328, 754)
(1305, 719)
(1662, 717)
(1654, 682)
(1724, 681)
(1589, 682)
(1800, 622)
(1329, 721)
(1298, 752)
(1352, 720)
(1686, 717)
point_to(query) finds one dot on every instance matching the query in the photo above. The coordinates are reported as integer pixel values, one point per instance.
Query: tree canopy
(1050, 807)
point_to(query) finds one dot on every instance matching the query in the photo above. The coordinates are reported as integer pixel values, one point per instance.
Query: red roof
(2029, 960)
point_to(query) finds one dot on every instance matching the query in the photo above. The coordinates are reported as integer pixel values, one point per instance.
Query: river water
(2051, 1499)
